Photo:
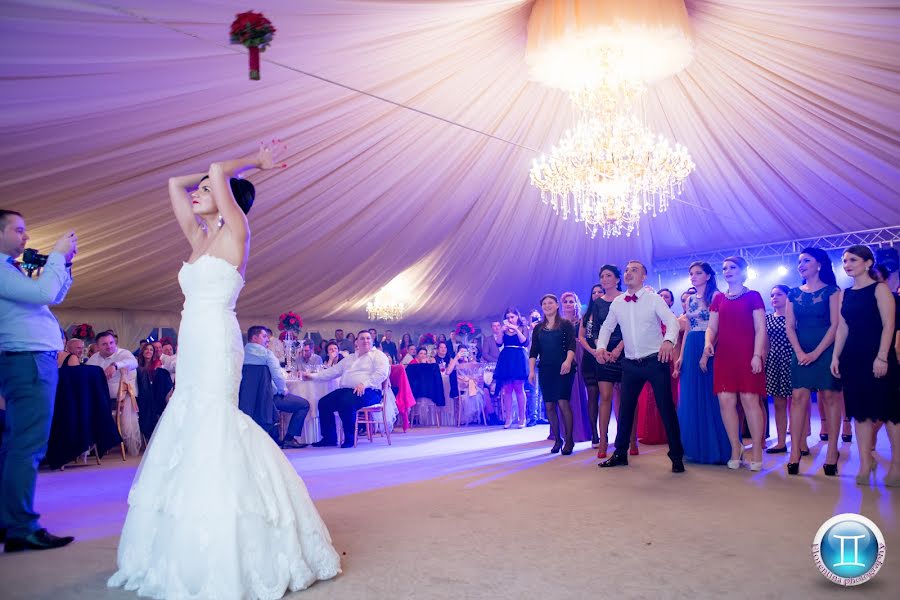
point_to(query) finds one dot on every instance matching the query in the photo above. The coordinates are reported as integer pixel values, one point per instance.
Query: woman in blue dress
(512, 366)
(702, 431)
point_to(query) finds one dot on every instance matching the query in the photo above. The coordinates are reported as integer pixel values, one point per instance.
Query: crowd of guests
(707, 374)
(704, 376)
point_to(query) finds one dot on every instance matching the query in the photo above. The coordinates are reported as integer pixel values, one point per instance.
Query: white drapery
(790, 112)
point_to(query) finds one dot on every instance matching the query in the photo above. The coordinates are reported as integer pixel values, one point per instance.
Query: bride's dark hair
(243, 191)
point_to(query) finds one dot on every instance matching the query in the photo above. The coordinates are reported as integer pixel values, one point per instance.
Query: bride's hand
(271, 154)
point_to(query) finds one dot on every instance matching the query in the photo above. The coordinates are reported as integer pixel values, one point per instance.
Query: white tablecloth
(313, 391)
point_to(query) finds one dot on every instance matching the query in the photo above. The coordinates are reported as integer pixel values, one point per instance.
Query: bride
(216, 510)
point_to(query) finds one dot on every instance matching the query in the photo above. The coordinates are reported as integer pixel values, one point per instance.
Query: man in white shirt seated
(257, 352)
(116, 363)
(167, 357)
(361, 375)
(307, 359)
(409, 356)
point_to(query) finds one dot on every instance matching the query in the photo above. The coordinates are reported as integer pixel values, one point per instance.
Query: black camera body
(32, 260)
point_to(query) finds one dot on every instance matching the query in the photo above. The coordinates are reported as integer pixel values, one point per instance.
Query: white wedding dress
(216, 511)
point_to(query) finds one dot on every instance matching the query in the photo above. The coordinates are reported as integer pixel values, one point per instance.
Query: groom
(641, 313)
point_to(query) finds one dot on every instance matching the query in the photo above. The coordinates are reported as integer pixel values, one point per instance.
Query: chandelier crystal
(382, 308)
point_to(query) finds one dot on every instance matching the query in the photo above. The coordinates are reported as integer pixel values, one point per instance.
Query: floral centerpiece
(464, 329)
(290, 321)
(83, 331)
(253, 30)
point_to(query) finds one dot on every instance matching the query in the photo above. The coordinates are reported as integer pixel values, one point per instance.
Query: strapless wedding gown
(216, 511)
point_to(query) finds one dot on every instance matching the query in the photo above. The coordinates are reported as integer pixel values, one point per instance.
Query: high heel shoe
(595, 443)
(864, 478)
(634, 450)
(793, 468)
(823, 437)
(508, 424)
(601, 452)
(736, 464)
(755, 466)
(847, 438)
(567, 449)
(556, 447)
(831, 469)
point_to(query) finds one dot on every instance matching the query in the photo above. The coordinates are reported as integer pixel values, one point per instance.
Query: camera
(32, 259)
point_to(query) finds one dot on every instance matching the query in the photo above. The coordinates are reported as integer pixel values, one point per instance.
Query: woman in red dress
(737, 321)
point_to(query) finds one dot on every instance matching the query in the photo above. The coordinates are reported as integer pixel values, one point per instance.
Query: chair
(461, 399)
(367, 416)
(256, 398)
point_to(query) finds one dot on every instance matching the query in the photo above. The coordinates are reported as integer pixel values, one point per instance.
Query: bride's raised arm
(181, 203)
(220, 174)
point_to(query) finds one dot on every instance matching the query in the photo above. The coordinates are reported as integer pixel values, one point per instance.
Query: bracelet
(884, 360)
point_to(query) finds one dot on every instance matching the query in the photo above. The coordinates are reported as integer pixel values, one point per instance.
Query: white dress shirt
(370, 370)
(256, 354)
(125, 363)
(640, 322)
(407, 358)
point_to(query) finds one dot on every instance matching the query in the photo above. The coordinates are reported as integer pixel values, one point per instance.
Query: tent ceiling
(790, 111)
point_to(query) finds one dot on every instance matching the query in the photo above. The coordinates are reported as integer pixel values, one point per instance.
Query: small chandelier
(384, 308)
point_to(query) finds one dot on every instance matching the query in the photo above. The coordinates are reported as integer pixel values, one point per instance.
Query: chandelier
(609, 168)
(385, 306)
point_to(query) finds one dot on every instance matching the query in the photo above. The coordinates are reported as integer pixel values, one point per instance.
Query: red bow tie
(632, 298)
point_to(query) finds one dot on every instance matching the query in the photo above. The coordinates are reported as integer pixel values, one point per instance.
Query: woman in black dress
(865, 359)
(778, 365)
(553, 341)
(600, 376)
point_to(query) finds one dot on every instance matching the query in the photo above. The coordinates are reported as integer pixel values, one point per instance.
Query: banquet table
(313, 391)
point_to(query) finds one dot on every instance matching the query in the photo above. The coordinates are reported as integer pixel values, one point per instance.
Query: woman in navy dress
(811, 321)
(512, 367)
(865, 360)
(778, 365)
(553, 342)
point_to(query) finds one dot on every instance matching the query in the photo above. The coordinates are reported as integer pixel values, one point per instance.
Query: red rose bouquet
(83, 331)
(290, 321)
(465, 328)
(426, 339)
(253, 30)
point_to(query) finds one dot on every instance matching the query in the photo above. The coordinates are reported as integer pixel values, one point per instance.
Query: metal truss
(885, 236)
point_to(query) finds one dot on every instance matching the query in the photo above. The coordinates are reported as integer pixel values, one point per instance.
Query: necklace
(731, 296)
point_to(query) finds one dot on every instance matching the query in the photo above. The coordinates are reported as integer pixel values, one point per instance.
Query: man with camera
(29, 342)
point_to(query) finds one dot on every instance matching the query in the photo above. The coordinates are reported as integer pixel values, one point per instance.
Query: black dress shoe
(556, 447)
(39, 540)
(291, 443)
(847, 438)
(677, 465)
(347, 445)
(567, 449)
(776, 450)
(323, 444)
(823, 437)
(614, 461)
(804, 453)
(793, 468)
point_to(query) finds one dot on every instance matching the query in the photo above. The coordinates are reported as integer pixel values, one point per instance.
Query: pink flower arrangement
(289, 321)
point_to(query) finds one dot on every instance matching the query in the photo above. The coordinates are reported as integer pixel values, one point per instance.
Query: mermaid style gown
(216, 510)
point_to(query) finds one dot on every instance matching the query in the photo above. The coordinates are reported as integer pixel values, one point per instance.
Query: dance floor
(486, 513)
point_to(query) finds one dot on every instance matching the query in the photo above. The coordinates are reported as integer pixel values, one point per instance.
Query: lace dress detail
(216, 510)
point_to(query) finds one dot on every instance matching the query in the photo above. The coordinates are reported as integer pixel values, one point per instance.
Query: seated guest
(307, 359)
(115, 363)
(332, 354)
(72, 355)
(351, 344)
(361, 376)
(118, 363)
(91, 349)
(344, 344)
(422, 357)
(409, 356)
(405, 341)
(389, 347)
(376, 343)
(257, 352)
(168, 358)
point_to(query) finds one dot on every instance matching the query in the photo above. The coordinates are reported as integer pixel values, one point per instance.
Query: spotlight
(751, 274)
(782, 270)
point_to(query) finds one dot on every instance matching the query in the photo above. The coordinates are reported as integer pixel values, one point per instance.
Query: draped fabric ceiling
(789, 109)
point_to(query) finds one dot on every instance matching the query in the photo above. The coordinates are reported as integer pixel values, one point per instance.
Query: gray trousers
(28, 383)
(296, 405)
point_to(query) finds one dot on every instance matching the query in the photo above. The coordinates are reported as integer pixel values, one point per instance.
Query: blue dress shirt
(26, 323)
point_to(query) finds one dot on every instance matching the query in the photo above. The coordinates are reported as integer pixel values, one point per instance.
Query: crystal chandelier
(384, 308)
(609, 168)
